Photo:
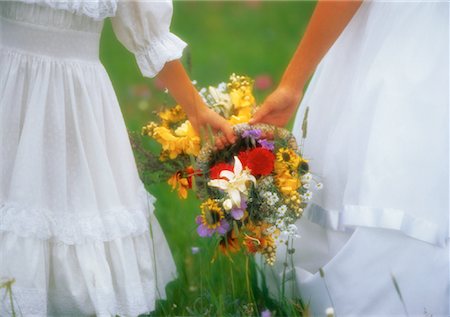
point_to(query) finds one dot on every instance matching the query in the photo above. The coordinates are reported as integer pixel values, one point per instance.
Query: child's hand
(208, 118)
(278, 108)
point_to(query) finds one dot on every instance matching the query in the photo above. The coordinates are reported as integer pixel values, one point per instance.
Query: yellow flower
(183, 140)
(243, 116)
(242, 98)
(211, 215)
(172, 115)
(188, 140)
(287, 158)
(169, 143)
(286, 182)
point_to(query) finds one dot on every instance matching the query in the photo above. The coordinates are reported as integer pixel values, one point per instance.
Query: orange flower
(183, 181)
(230, 243)
(258, 239)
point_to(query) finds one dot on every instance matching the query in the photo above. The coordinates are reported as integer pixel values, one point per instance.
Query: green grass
(244, 37)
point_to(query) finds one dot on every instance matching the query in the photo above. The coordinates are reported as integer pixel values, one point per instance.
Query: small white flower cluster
(290, 231)
(306, 178)
(270, 197)
(218, 99)
(266, 181)
(222, 87)
(307, 196)
(281, 211)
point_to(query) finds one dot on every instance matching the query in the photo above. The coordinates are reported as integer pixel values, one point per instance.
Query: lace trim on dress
(376, 217)
(75, 228)
(98, 9)
(33, 302)
(161, 50)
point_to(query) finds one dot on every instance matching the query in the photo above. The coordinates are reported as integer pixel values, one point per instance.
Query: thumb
(260, 114)
(228, 132)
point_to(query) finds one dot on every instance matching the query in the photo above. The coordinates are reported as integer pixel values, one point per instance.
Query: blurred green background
(255, 38)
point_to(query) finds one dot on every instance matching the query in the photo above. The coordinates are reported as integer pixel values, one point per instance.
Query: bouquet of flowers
(252, 191)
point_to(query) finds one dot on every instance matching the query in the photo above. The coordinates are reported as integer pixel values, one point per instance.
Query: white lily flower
(235, 183)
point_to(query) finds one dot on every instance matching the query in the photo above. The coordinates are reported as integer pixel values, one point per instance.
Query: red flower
(260, 161)
(243, 157)
(190, 174)
(214, 173)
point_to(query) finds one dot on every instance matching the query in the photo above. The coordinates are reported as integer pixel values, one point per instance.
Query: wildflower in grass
(211, 219)
(329, 312)
(263, 82)
(195, 250)
(266, 313)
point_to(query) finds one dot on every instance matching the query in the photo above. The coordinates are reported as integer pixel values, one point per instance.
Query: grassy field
(256, 38)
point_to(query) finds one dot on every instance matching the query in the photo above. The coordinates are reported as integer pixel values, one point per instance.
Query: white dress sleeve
(143, 27)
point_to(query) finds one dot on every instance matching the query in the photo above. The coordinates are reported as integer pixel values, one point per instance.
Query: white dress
(74, 215)
(378, 138)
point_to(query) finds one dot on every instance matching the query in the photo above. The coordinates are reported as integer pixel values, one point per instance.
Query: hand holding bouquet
(252, 191)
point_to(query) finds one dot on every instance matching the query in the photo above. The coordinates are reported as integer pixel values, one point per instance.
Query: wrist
(292, 92)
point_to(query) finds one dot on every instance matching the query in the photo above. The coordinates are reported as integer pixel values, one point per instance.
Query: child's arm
(327, 22)
(175, 78)
(143, 27)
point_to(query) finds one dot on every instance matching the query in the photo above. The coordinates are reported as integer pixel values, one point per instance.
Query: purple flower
(204, 231)
(253, 133)
(238, 212)
(223, 228)
(266, 313)
(268, 145)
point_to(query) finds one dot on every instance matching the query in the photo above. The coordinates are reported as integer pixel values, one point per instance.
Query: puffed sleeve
(143, 27)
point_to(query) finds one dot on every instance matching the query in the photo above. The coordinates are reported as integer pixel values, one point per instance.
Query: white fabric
(143, 28)
(378, 140)
(74, 216)
(97, 9)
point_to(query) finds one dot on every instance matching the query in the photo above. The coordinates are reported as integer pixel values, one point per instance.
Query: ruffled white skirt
(77, 230)
(378, 140)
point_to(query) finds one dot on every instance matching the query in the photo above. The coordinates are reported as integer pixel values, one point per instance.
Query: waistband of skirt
(51, 42)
